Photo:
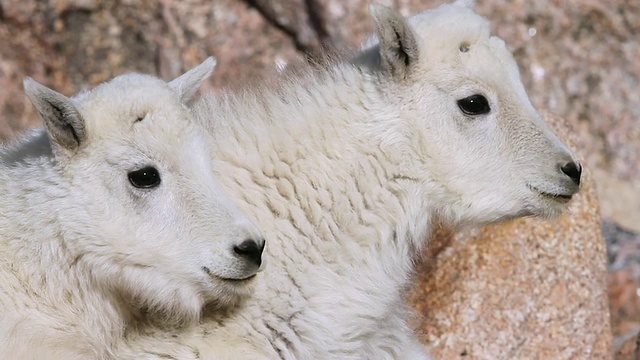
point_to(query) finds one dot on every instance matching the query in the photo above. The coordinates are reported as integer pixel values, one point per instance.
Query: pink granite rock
(525, 289)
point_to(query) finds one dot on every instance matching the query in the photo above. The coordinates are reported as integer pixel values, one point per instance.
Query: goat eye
(474, 105)
(146, 178)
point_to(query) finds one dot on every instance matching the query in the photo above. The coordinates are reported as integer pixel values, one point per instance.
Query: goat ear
(65, 126)
(397, 41)
(469, 4)
(188, 83)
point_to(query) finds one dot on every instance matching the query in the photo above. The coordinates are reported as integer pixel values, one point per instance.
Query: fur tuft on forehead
(463, 28)
(441, 33)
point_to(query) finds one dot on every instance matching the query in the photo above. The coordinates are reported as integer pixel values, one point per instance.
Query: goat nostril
(250, 250)
(572, 170)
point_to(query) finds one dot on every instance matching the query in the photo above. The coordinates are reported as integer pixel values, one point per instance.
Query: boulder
(524, 289)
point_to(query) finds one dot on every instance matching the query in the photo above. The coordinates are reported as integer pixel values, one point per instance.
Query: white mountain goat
(346, 170)
(112, 214)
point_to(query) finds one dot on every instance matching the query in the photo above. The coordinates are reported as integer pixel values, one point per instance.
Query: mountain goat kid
(346, 171)
(110, 214)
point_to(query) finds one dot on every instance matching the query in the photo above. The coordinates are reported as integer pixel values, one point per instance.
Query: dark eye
(474, 105)
(146, 178)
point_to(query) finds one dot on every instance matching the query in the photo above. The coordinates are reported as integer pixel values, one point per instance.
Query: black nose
(250, 250)
(572, 170)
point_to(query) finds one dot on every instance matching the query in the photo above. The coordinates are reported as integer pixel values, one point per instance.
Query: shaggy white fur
(347, 169)
(112, 214)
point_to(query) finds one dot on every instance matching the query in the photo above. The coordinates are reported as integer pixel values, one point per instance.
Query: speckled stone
(525, 289)
(629, 349)
(72, 45)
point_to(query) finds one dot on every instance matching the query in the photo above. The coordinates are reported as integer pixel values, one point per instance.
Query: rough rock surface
(513, 290)
(525, 289)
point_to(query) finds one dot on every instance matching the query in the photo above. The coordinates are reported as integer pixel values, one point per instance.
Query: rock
(72, 45)
(624, 294)
(629, 347)
(525, 289)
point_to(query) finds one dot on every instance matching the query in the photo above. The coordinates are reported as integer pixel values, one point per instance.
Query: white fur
(84, 253)
(346, 171)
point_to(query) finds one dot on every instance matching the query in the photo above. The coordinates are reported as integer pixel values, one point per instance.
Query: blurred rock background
(580, 59)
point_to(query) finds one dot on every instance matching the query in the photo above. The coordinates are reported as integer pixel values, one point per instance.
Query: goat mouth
(557, 197)
(248, 278)
(228, 280)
